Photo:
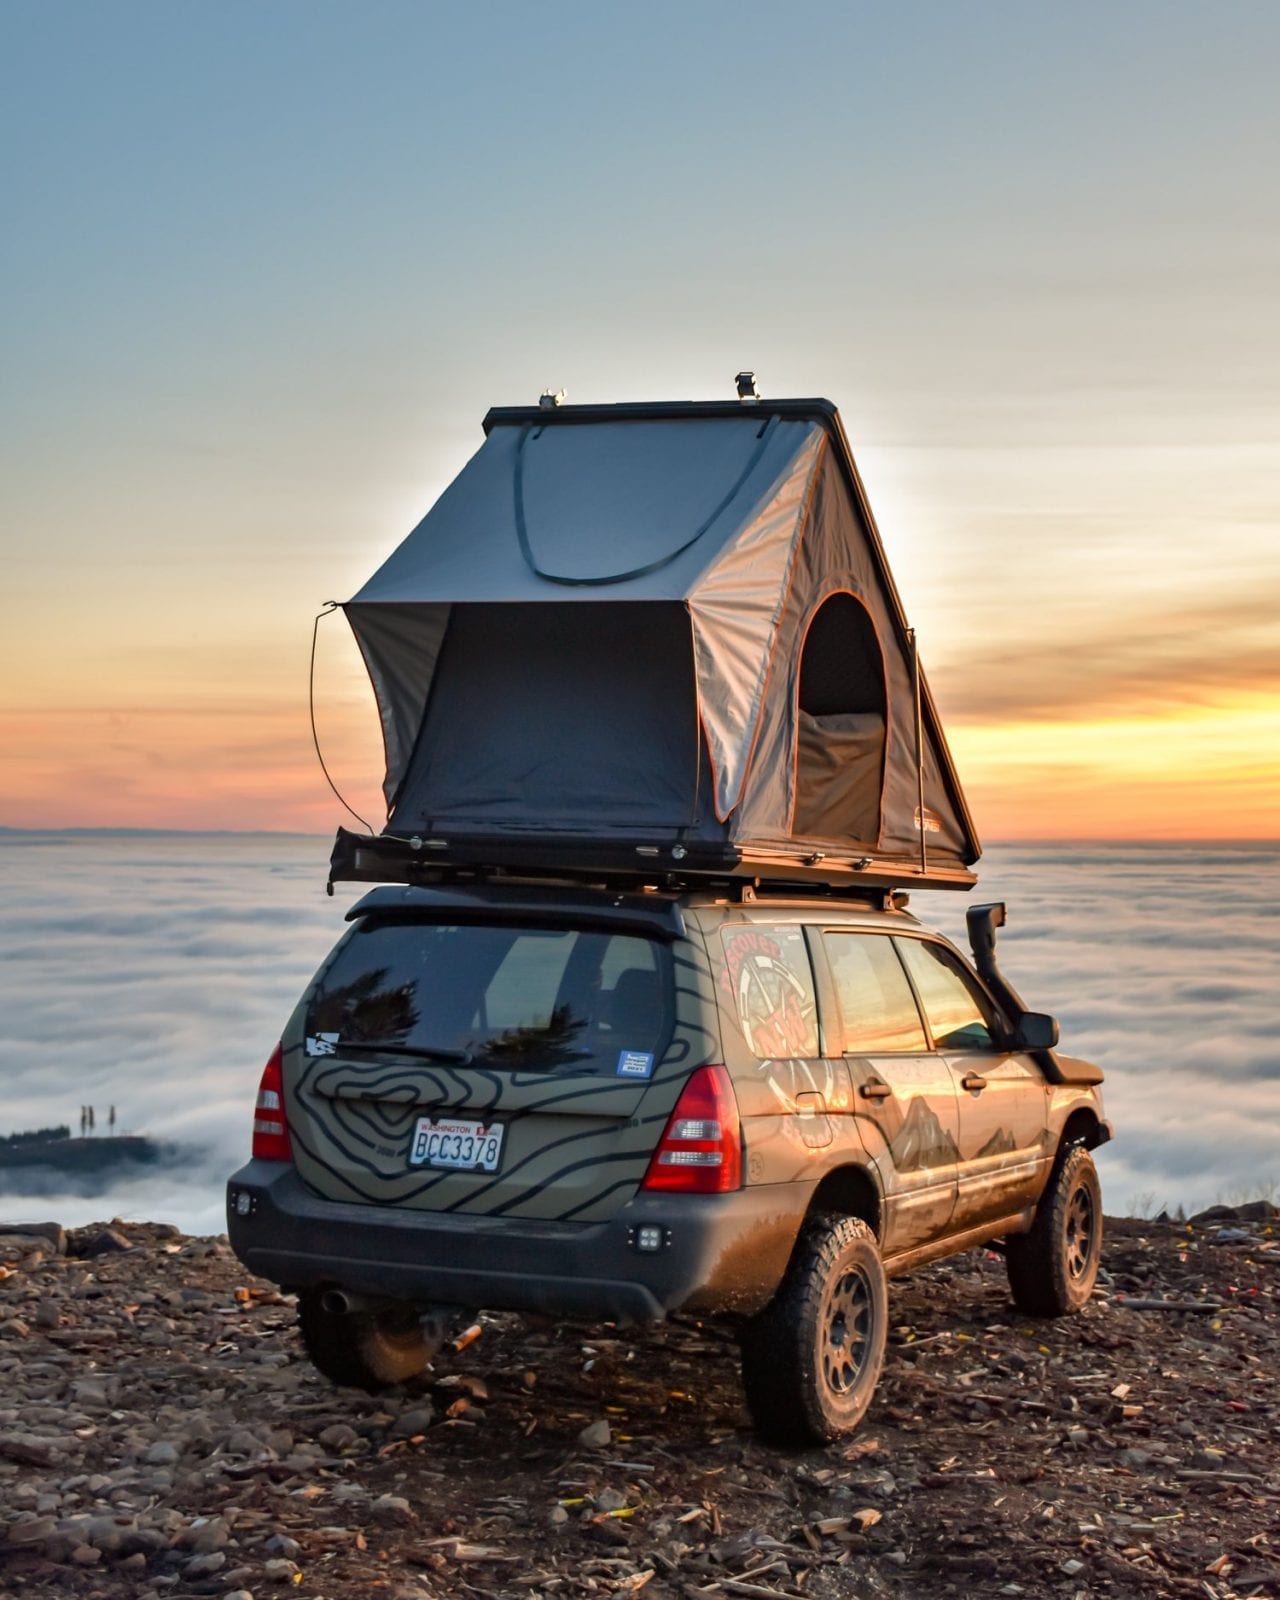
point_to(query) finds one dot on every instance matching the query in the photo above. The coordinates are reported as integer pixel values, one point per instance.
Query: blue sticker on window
(635, 1064)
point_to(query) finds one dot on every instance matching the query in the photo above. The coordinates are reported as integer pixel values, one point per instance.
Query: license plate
(455, 1146)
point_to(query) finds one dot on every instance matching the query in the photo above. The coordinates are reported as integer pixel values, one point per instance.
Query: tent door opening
(559, 717)
(840, 725)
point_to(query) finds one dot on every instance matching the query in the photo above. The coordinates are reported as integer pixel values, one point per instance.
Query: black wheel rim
(1081, 1234)
(846, 1331)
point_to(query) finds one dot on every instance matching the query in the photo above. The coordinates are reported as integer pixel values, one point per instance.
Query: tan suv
(607, 1104)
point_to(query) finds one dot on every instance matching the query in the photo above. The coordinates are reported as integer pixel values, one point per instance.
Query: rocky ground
(161, 1434)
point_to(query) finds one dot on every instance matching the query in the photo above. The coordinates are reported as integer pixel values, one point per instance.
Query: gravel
(161, 1434)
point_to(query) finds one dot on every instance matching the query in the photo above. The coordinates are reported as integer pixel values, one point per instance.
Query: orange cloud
(1126, 663)
(1205, 771)
(242, 767)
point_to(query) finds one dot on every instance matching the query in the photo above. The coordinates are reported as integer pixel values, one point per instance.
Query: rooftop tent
(655, 637)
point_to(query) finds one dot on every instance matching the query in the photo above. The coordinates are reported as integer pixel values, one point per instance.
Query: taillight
(270, 1130)
(700, 1151)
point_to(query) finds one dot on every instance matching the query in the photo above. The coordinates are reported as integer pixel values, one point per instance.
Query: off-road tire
(368, 1350)
(1052, 1269)
(811, 1358)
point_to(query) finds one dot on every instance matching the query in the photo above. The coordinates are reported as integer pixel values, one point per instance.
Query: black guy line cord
(329, 607)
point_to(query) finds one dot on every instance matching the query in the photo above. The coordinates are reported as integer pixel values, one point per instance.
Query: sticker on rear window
(322, 1044)
(635, 1064)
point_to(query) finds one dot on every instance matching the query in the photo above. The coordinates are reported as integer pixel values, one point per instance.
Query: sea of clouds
(1159, 961)
(154, 973)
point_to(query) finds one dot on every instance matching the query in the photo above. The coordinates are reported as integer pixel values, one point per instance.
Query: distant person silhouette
(111, 1120)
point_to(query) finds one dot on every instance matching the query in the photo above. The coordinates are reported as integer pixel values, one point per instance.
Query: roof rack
(367, 858)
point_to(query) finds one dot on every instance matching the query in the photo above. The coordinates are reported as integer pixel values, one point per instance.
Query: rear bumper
(717, 1252)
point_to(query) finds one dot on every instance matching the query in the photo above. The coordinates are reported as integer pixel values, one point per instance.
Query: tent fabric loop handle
(522, 531)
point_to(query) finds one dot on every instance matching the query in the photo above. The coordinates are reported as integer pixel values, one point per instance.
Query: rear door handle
(971, 1080)
(874, 1089)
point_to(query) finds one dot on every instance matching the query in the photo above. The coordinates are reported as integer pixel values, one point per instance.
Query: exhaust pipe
(342, 1302)
(436, 1323)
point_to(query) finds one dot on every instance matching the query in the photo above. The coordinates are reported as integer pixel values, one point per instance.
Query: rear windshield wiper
(425, 1052)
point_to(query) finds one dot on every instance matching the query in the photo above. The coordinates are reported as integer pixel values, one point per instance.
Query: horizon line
(300, 833)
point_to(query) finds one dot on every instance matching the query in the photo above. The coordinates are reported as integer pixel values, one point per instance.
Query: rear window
(527, 999)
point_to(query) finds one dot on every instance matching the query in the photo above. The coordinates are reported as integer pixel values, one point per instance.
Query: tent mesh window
(840, 725)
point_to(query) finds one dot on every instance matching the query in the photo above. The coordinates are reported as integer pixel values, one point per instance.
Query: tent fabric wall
(642, 495)
(400, 643)
(736, 606)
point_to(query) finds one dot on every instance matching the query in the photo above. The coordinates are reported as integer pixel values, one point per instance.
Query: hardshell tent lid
(659, 639)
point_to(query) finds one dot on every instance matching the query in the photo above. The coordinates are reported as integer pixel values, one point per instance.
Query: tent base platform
(624, 864)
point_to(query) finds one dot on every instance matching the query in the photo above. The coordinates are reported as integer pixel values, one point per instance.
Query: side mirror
(1035, 1030)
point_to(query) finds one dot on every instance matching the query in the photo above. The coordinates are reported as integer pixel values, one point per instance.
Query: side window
(876, 1003)
(958, 1018)
(768, 971)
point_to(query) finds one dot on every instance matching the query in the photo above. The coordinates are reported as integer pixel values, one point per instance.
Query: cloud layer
(1159, 961)
(155, 974)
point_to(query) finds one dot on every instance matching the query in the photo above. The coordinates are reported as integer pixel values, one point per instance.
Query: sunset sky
(264, 268)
